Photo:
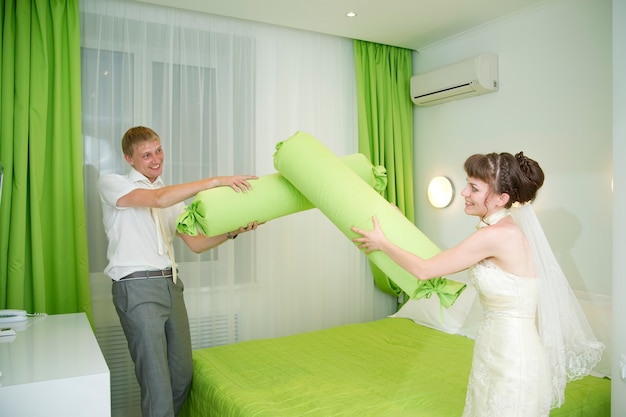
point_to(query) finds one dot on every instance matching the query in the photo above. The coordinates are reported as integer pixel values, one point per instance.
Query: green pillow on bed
(348, 201)
(221, 209)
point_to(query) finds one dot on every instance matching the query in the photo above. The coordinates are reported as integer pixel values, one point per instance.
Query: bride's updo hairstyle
(518, 176)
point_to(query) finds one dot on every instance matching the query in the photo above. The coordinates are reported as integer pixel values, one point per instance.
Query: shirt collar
(137, 176)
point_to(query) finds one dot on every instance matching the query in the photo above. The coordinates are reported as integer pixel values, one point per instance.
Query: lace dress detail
(510, 375)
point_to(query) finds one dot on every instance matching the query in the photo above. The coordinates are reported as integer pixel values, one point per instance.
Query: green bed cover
(391, 367)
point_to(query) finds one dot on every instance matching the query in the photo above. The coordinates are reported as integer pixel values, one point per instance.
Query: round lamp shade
(440, 192)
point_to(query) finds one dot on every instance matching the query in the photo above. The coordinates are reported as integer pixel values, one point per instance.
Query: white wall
(618, 404)
(555, 104)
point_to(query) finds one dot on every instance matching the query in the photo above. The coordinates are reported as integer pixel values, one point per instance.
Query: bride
(534, 336)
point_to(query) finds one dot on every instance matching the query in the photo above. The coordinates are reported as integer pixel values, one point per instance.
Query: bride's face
(479, 200)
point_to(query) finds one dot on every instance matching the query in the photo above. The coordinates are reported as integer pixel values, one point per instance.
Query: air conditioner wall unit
(471, 77)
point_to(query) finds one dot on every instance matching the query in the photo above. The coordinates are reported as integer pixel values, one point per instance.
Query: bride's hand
(372, 240)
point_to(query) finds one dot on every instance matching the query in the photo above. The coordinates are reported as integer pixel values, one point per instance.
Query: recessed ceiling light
(351, 14)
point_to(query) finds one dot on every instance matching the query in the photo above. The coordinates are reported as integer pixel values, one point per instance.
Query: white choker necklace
(493, 218)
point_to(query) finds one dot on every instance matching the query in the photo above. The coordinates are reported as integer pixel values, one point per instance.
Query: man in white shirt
(139, 214)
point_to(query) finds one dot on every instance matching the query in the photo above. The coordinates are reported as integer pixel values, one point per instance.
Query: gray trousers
(154, 318)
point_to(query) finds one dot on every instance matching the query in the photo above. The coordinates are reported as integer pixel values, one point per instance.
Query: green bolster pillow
(348, 201)
(221, 209)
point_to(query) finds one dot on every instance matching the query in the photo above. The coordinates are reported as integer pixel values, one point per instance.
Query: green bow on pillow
(446, 289)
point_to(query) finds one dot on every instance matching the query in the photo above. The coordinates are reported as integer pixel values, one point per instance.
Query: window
(195, 88)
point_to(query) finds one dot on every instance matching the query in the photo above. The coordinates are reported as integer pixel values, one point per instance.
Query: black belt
(158, 273)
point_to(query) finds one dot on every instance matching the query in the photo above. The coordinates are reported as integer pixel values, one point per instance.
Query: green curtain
(385, 117)
(43, 240)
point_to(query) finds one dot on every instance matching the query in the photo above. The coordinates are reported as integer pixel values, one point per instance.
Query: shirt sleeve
(113, 187)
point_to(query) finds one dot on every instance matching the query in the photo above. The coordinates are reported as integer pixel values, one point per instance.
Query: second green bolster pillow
(221, 209)
(349, 201)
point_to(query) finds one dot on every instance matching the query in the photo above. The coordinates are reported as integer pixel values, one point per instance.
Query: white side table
(54, 367)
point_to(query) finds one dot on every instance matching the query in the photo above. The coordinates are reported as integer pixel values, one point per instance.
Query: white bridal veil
(572, 347)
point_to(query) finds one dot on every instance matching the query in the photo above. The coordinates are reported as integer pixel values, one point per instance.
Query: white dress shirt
(135, 243)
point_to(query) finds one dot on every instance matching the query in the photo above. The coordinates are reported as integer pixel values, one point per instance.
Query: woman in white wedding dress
(534, 337)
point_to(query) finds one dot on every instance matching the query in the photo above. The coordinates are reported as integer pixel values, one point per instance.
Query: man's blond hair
(136, 135)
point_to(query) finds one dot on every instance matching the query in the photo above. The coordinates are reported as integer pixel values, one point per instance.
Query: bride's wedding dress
(534, 336)
(510, 374)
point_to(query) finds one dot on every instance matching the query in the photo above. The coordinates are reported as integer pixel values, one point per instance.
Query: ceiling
(411, 24)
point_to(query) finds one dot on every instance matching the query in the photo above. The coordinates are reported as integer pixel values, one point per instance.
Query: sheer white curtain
(221, 93)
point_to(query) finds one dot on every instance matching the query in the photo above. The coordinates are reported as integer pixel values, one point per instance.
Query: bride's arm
(476, 247)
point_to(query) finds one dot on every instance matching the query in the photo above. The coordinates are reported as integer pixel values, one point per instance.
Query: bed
(391, 367)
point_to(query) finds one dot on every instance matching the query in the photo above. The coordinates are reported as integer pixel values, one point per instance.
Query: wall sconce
(440, 192)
